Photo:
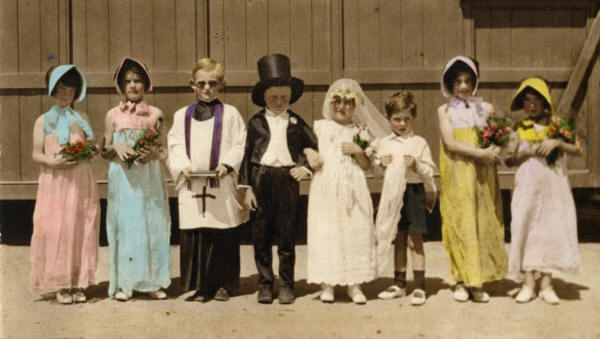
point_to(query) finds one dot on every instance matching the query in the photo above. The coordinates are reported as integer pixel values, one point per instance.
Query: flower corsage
(362, 139)
(495, 132)
(78, 151)
(147, 138)
(564, 129)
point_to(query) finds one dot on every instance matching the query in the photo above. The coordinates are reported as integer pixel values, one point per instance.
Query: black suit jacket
(299, 137)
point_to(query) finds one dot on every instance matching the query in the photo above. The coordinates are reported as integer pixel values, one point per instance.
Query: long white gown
(544, 222)
(341, 232)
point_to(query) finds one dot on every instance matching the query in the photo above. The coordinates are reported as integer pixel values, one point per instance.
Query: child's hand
(148, 153)
(58, 161)
(221, 171)
(387, 159)
(313, 157)
(350, 148)
(250, 200)
(490, 154)
(299, 173)
(124, 151)
(186, 172)
(547, 146)
(410, 162)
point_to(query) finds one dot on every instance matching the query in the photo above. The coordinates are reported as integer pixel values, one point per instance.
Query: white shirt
(277, 153)
(408, 144)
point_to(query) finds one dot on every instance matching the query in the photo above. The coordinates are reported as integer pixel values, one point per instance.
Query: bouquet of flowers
(147, 138)
(78, 151)
(495, 132)
(362, 139)
(561, 128)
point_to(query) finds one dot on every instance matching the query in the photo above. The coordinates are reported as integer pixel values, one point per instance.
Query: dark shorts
(414, 218)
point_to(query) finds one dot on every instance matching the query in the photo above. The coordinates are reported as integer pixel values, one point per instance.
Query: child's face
(205, 85)
(463, 85)
(402, 122)
(133, 85)
(278, 98)
(533, 105)
(63, 95)
(342, 109)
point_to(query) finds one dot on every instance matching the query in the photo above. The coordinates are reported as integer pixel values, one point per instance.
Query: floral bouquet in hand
(147, 138)
(564, 129)
(496, 132)
(362, 139)
(78, 151)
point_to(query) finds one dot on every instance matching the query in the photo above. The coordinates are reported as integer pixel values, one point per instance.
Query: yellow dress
(471, 209)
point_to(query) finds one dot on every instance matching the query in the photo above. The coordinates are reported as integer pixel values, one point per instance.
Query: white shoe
(122, 296)
(525, 295)
(158, 294)
(549, 296)
(64, 297)
(418, 297)
(327, 294)
(78, 296)
(460, 293)
(356, 295)
(480, 296)
(392, 292)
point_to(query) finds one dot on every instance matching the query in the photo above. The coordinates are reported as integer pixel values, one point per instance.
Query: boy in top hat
(275, 158)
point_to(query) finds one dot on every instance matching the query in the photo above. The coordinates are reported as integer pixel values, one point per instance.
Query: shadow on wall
(16, 219)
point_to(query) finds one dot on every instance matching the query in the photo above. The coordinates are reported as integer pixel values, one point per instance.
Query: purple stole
(215, 147)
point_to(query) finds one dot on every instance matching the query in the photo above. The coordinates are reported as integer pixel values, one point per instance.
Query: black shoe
(222, 295)
(198, 296)
(286, 295)
(265, 294)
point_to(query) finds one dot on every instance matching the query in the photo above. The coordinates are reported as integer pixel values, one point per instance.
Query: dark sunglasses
(202, 84)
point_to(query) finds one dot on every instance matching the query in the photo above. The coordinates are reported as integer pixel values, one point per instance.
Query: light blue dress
(138, 221)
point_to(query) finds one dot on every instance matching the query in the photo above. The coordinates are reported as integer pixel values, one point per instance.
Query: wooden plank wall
(387, 45)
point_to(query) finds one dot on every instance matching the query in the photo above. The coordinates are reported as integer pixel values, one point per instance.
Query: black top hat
(274, 70)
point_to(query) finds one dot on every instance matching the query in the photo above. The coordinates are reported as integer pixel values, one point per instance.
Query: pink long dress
(64, 244)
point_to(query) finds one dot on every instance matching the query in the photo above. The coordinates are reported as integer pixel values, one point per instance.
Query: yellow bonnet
(539, 86)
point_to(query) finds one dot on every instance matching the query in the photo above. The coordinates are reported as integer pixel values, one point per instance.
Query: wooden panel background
(387, 45)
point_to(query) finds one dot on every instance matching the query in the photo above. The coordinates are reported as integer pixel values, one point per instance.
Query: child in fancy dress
(341, 237)
(544, 221)
(138, 223)
(208, 135)
(64, 244)
(470, 202)
(404, 150)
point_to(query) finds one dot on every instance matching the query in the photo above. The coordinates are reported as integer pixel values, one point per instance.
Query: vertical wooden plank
(186, 36)
(320, 47)
(165, 38)
(301, 34)
(119, 13)
(453, 32)
(483, 33)
(412, 35)
(336, 39)
(592, 151)
(217, 30)
(49, 29)
(202, 29)
(351, 28)
(9, 36)
(257, 43)
(392, 34)
(560, 33)
(64, 38)
(433, 49)
(368, 35)
(10, 145)
(500, 38)
(236, 97)
(97, 35)
(318, 98)
(79, 29)
(279, 26)
(29, 36)
(235, 34)
(142, 32)
(578, 29)
(521, 37)
(30, 109)
(540, 39)
(304, 105)
(468, 30)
